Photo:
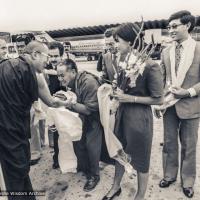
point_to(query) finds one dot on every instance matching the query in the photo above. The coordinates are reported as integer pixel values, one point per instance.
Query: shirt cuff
(192, 92)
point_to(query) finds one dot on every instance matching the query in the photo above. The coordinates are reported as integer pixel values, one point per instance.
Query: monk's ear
(34, 55)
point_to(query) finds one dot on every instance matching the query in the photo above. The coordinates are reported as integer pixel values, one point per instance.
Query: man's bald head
(3, 49)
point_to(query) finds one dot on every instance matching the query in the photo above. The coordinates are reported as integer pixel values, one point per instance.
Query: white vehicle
(88, 48)
(12, 50)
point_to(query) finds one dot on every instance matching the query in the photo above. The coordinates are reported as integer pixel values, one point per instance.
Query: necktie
(177, 57)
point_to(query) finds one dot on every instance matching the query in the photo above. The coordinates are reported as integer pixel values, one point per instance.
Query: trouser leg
(82, 155)
(23, 185)
(13, 184)
(93, 144)
(170, 148)
(42, 131)
(56, 147)
(188, 139)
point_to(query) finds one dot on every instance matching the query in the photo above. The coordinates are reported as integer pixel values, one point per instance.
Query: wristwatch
(192, 92)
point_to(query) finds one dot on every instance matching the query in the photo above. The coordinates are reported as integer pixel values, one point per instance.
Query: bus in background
(88, 48)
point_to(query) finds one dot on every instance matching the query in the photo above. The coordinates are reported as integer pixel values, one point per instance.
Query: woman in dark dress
(134, 120)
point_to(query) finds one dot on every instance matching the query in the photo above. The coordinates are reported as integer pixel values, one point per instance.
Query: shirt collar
(185, 42)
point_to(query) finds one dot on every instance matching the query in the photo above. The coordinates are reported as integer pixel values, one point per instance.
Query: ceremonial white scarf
(187, 57)
(108, 120)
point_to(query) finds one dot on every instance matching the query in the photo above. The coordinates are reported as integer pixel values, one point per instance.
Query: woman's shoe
(113, 196)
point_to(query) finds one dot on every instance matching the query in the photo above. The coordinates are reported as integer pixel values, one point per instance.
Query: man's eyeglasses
(173, 26)
(42, 53)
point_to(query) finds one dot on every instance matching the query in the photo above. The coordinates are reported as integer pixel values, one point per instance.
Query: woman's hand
(121, 97)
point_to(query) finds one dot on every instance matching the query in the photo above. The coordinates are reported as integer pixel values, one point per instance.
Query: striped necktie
(177, 57)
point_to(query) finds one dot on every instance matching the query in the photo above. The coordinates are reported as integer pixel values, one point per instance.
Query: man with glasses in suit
(181, 65)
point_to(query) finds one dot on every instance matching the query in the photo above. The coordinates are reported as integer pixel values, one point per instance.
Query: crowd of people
(137, 82)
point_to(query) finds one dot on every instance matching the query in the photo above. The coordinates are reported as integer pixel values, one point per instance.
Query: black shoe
(91, 183)
(113, 196)
(188, 192)
(164, 183)
(55, 165)
(34, 162)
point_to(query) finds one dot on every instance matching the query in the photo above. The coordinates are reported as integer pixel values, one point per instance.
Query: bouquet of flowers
(133, 66)
(135, 62)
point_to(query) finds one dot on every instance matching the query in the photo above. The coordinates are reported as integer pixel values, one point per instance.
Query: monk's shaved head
(37, 53)
(36, 46)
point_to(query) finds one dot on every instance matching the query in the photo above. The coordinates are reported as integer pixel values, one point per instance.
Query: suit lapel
(185, 62)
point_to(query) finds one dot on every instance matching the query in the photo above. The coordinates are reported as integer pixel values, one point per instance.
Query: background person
(3, 49)
(67, 54)
(109, 60)
(56, 51)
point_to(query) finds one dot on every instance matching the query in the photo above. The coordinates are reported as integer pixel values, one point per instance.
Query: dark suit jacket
(53, 82)
(186, 108)
(108, 70)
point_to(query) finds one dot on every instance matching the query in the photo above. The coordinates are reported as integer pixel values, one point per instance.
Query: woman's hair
(185, 17)
(70, 64)
(128, 32)
(109, 32)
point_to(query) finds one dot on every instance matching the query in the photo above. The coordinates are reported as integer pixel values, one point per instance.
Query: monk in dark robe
(88, 149)
(19, 88)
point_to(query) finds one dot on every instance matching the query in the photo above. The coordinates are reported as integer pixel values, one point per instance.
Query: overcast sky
(18, 15)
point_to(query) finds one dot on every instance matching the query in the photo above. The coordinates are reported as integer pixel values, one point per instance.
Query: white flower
(141, 68)
(123, 65)
(132, 59)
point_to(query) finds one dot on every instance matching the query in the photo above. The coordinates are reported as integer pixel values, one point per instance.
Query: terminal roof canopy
(95, 30)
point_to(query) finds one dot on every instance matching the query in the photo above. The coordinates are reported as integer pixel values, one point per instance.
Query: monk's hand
(60, 95)
(179, 92)
(57, 102)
